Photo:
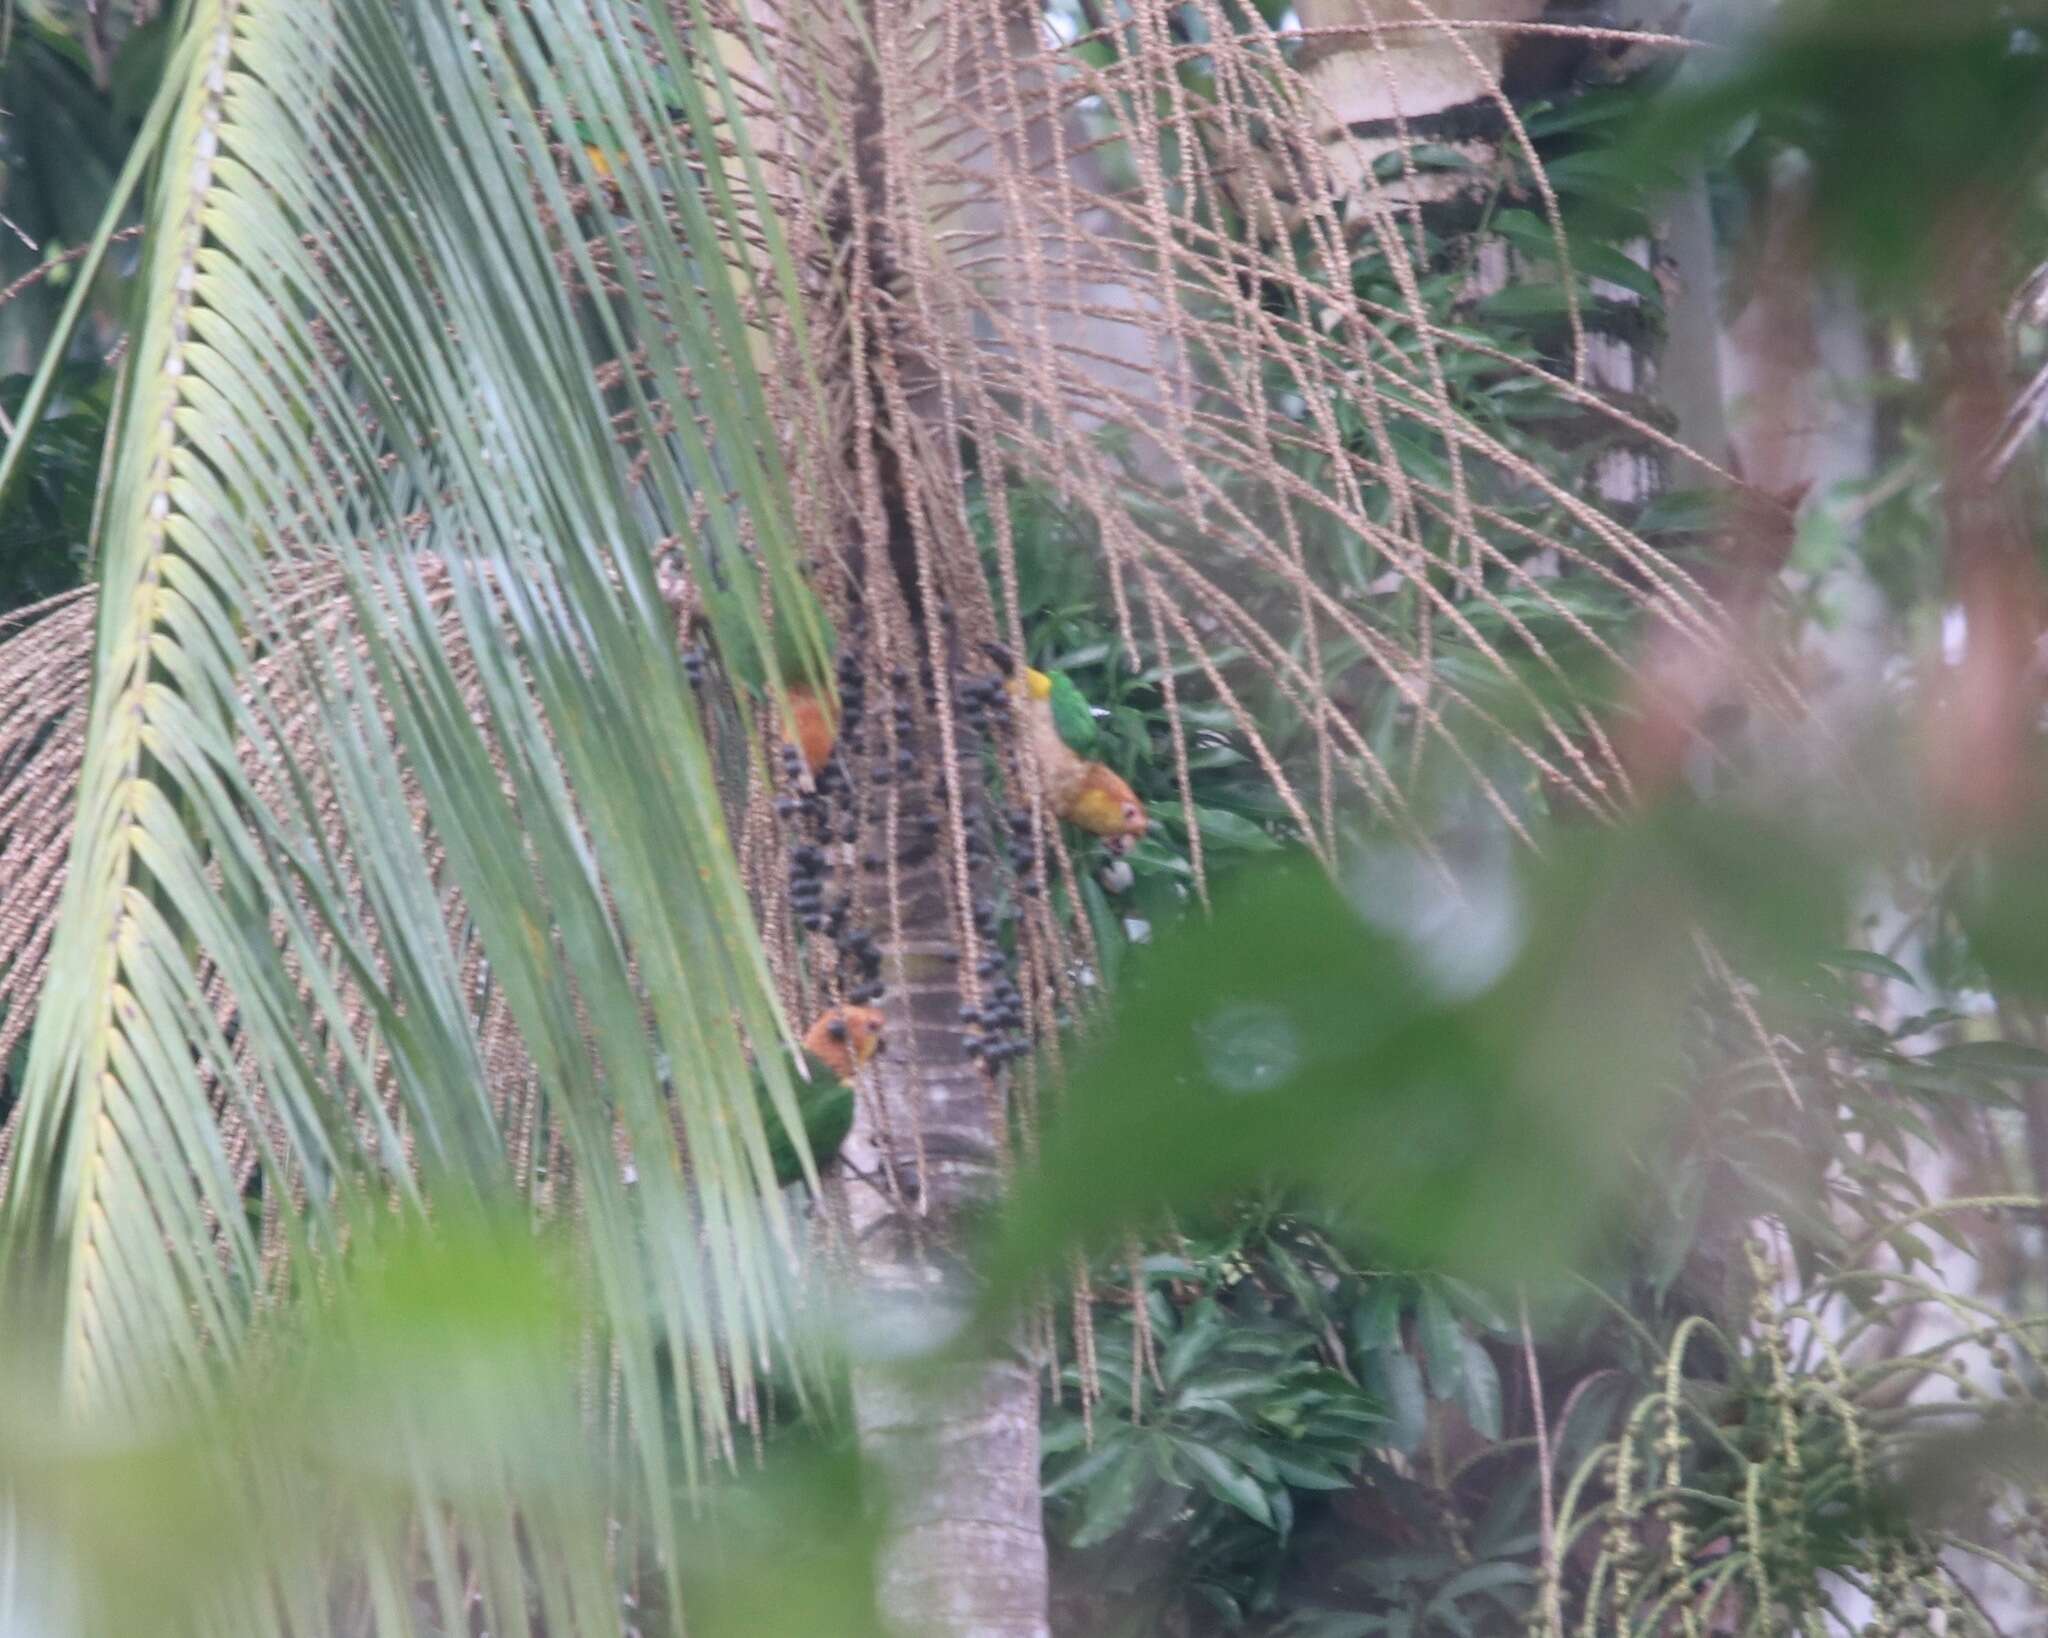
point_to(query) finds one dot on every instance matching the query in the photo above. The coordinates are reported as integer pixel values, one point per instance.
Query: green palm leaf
(397, 830)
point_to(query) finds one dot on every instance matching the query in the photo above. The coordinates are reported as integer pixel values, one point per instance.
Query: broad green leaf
(1397, 1380)
(1226, 1480)
(1307, 1475)
(1479, 1392)
(1221, 828)
(2005, 1059)
(1442, 1340)
(1869, 961)
(1481, 1578)
(1294, 1039)
(1112, 1497)
(1376, 1322)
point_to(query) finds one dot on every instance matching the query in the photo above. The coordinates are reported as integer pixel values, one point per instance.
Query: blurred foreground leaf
(1307, 1039)
(2001, 904)
(422, 1446)
(1897, 105)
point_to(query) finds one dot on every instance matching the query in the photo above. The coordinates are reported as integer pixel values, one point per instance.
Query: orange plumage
(1085, 794)
(1100, 803)
(810, 726)
(844, 1038)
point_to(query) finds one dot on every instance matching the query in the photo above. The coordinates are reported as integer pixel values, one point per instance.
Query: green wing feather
(601, 132)
(801, 638)
(826, 1108)
(1071, 714)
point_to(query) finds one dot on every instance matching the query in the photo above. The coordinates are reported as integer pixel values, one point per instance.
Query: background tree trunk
(1381, 73)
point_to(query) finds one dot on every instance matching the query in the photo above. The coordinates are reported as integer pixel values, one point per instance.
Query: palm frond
(385, 698)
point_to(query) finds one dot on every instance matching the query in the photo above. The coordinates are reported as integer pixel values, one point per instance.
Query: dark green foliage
(62, 143)
(63, 140)
(1284, 1392)
(1925, 125)
(1071, 634)
(1310, 1033)
(45, 521)
(1208, 1499)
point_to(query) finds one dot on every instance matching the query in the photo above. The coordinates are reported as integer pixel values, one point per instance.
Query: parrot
(1099, 802)
(811, 725)
(600, 152)
(1071, 713)
(842, 1039)
(601, 140)
(1084, 793)
(810, 720)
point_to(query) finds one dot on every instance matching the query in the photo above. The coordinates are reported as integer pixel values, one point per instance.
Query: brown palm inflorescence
(887, 271)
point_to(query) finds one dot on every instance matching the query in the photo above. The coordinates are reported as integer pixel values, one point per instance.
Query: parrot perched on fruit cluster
(811, 725)
(1072, 715)
(835, 1047)
(1060, 728)
(603, 139)
(810, 721)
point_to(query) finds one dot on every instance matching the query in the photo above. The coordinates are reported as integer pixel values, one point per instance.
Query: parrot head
(844, 1038)
(1107, 807)
(811, 727)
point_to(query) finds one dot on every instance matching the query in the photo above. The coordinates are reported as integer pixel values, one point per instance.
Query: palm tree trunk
(955, 1450)
(953, 1447)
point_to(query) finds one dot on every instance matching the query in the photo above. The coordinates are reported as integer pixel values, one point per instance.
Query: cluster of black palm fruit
(836, 819)
(822, 820)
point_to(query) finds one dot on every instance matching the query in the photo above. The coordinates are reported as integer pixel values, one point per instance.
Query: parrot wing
(729, 592)
(826, 1108)
(1072, 715)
